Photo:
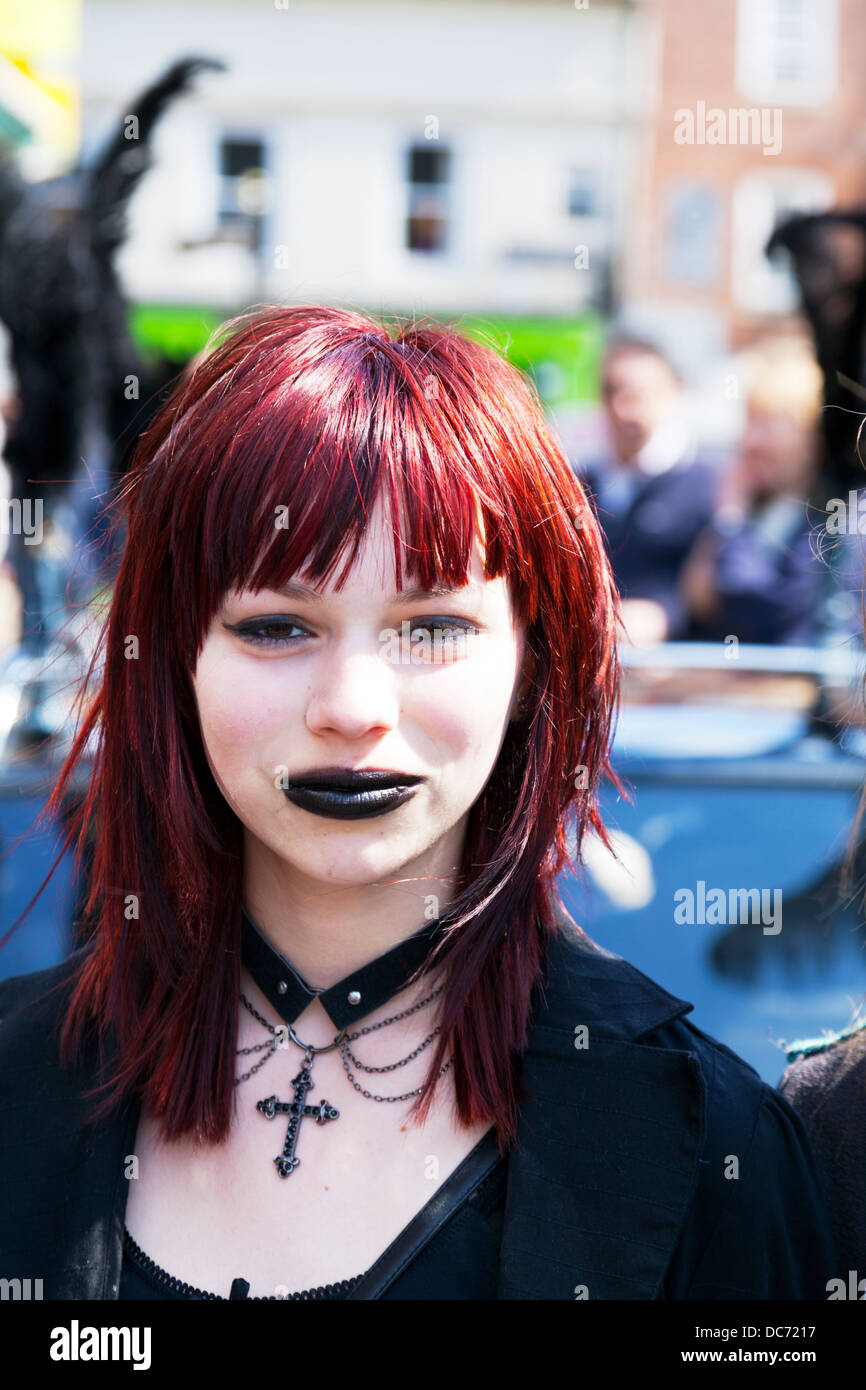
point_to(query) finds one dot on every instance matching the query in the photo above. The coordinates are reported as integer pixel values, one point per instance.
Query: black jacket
(617, 1185)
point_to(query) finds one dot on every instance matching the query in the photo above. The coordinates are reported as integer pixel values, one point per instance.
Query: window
(584, 193)
(692, 233)
(243, 191)
(788, 51)
(429, 197)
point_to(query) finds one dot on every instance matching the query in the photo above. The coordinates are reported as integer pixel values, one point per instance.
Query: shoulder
(693, 466)
(692, 478)
(745, 1116)
(32, 1008)
(29, 996)
(826, 1084)
(741, 1112)
(826, 1077)
(626, 1005)
(854, 1038)
(590, 474)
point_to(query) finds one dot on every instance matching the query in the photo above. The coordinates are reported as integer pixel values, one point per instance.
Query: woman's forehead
(373, 575)
(373, 567)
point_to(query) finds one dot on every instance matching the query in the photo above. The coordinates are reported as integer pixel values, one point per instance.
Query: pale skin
(332, 895)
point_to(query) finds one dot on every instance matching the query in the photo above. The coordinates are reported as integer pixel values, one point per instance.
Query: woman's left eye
(443, 629)
(436, 639)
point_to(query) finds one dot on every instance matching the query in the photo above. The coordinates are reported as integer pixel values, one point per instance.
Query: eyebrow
(294, 589)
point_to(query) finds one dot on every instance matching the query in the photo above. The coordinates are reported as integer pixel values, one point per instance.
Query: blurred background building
(512, 160)
(449, 158)
(705, 209)
(518, 161)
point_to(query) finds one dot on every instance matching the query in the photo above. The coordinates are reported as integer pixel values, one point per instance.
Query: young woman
(331, 1033)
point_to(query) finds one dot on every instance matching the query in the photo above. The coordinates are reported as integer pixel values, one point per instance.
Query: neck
(328, 929)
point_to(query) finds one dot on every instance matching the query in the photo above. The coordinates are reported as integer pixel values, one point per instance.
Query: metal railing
(842, 664)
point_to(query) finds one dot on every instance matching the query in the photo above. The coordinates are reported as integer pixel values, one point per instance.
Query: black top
(458, 1260)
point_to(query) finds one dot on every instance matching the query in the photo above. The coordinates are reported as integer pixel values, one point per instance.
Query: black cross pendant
(296, 1110)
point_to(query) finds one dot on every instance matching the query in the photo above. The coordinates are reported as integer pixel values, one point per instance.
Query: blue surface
(42, 938)
(769, 989)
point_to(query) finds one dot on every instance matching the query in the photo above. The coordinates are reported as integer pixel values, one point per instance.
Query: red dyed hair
(321, 409)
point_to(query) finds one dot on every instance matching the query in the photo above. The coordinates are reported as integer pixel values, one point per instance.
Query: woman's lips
(356, 795)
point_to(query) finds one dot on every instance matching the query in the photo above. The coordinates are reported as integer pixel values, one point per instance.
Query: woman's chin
(354, 866)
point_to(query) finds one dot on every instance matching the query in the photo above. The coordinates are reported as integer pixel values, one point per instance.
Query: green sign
(562, 355)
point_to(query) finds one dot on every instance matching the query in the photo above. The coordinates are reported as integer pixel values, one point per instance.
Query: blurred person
(825, 1081)
(756, 571)
(335, 783)
(653, 492)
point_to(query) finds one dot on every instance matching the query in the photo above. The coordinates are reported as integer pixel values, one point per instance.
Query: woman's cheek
(469, 713)
(240, 715)
(231, 733)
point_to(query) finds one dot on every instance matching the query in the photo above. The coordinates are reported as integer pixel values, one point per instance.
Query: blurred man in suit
(652, 493)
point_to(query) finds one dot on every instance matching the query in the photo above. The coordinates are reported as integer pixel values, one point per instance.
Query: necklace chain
(342, 1041)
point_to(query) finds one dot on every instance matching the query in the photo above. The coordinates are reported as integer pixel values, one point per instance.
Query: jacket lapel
(609, 1138)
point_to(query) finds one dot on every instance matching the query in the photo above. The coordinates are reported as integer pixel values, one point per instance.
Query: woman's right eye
(268, 632)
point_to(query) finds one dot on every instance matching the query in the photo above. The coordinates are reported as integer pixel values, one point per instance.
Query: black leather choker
(353, 997)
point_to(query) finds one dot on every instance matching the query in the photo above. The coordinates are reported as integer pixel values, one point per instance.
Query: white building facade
(432, 157)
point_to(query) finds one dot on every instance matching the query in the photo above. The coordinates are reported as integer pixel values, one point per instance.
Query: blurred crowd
(707, 548)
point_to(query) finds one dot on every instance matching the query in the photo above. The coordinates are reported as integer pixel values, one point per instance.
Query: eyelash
(256, 632)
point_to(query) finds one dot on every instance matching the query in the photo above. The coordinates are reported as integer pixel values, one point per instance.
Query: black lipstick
(350, 794)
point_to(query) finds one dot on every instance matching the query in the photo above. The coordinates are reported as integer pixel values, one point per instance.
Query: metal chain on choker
(297, 1109)
(342, 1040)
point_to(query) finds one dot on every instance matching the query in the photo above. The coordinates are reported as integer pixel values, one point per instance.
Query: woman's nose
(353, 693)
